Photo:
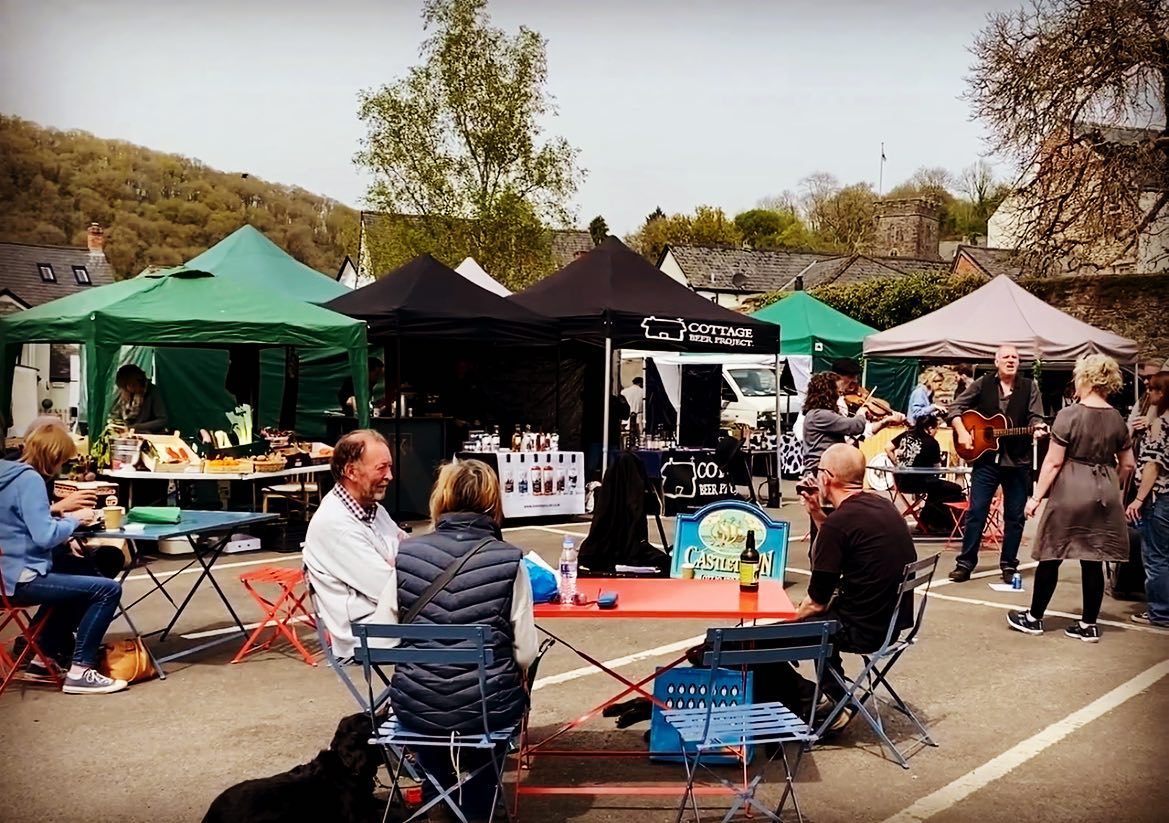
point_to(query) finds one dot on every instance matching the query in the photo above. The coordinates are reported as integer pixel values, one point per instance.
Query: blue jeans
(1155, 553)
(984, 482)
(81, 603)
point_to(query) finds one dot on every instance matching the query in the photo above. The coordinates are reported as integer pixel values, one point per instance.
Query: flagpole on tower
(881, 173)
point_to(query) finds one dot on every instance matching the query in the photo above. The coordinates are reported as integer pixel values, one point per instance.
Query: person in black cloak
(619, 534)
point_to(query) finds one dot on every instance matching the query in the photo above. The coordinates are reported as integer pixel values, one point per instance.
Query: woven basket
(274, 465)
(171, 468)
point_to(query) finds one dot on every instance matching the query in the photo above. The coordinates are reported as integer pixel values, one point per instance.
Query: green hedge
(890, 301)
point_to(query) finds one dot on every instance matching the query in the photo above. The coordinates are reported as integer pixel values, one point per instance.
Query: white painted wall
(670, 266)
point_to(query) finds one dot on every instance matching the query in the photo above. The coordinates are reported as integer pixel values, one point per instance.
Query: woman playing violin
(824, 424)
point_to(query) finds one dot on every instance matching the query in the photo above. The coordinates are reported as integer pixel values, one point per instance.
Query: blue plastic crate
(686, 688)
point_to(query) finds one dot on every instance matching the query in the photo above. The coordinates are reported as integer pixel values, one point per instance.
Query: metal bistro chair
(463, 646)
(710, 729)
(876, 668)
(339, 668)
(28, 629)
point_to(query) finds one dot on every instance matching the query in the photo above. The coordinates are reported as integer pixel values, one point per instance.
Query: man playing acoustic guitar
(1009, 466)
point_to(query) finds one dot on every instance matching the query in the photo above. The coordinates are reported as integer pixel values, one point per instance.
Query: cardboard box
(166, 448)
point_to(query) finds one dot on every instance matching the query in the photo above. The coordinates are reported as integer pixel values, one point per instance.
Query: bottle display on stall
(568, 570)
(522, 483)
(537, 477)
(560, 474)
(573, 475)
(749, 566)
(529, 439)
(508, 479)
(517, 439)
(549, 477)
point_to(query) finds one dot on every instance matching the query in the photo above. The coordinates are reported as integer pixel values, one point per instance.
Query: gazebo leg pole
(605, 414)
(778, 434)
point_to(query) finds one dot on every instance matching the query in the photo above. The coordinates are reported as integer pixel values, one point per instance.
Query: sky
(672, 103)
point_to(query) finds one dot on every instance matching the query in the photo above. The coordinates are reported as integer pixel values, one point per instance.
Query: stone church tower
(908, 228)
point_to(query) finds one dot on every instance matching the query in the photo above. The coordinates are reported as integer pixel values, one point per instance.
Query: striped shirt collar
(366, 514)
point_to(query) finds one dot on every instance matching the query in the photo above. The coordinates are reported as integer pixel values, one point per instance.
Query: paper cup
(687, 571)
(115, 516)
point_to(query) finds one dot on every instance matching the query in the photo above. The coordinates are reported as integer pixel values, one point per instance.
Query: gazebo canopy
(424, 298)
(1001, 313)
(176, 308)
(247, 256)
(471, 270)
(814, 328)
(612, 292)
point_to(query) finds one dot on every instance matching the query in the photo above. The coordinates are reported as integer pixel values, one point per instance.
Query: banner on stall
(712, 539)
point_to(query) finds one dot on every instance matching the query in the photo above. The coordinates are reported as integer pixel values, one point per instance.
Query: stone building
(908, 228)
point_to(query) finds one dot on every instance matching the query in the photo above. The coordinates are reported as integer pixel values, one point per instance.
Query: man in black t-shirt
(858, 561)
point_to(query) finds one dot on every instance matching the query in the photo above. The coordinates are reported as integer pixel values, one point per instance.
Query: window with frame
(47, 275)
(81, 275)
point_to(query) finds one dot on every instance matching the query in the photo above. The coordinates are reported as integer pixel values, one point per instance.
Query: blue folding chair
(448, 646)
(874, 674)
(711, 729)
(338, 666)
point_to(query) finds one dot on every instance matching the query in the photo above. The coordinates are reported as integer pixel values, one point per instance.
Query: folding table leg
(216, 550)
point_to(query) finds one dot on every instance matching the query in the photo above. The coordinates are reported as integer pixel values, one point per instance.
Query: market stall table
(218, 525)
(646, 599)
(131, 475)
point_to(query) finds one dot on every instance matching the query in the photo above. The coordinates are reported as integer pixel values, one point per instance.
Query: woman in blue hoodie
(28, 533)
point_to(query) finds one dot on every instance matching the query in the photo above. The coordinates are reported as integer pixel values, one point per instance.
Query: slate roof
(712, 268)
(709, 268)
(993, 262)
(20, 273)
(566, 243)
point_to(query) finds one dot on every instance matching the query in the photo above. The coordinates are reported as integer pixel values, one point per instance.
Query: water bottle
(1017, 582)
(568, 571)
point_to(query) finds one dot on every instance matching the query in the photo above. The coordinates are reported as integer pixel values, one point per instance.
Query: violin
(877, 407)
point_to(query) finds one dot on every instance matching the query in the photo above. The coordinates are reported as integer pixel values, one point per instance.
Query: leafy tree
(846, 219)
(458, 143)
(708, 226)
(768, 229)
(1060, 86)
(156, 209)
(598, 230)
(655, 214)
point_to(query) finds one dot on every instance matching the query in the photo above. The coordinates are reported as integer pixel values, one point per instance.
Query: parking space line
(954, 792)
(284, 558)
(1118, 624)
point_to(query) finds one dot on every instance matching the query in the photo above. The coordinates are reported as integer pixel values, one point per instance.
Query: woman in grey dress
(1087, 463)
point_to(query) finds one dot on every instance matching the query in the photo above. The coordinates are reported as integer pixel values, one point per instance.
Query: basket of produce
(269, 463)
(172, 467)
(227, 465)
(276, 437)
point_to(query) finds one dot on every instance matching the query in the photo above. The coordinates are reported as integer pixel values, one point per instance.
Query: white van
(749, 392)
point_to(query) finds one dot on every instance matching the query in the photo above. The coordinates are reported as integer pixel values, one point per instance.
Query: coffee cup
(115, 515)
(687, 571)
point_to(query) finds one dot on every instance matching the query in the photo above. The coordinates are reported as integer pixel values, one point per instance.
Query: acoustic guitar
(985, 433)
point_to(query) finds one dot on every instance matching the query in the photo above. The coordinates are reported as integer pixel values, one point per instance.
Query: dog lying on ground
(336, 785)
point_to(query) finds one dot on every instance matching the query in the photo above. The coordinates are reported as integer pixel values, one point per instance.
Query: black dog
(337, 785)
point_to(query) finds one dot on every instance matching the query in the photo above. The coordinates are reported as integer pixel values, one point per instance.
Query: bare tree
(786, 201)
(1076, 92)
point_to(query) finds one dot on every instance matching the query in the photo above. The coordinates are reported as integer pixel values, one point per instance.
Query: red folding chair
(12, 663)
(909, 505)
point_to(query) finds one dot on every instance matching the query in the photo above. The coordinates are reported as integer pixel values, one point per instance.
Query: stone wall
(1133, 305)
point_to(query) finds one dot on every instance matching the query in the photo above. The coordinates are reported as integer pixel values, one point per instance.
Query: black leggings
(1047, 576)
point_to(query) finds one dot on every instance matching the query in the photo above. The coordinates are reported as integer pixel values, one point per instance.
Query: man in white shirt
(351, 544)
(634, 395)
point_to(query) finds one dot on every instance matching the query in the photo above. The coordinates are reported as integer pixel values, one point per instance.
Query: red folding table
(654, 599)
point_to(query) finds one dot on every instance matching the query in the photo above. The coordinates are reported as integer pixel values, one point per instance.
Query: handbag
(126, 660)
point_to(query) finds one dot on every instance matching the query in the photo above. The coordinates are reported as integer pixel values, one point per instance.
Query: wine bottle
(749, 566)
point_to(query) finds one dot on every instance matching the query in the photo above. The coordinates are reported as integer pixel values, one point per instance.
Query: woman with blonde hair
(81, 604)
(921, 399)
(1087, 463)
(490, 588)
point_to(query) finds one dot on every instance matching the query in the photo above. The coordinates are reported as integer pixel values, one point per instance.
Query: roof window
(46, 271)
(81, 274)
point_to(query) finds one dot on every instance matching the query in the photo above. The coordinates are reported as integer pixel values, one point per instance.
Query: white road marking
(966, 785)
(300, 618)
(1008, 606)
(945, 581)
(196, 569)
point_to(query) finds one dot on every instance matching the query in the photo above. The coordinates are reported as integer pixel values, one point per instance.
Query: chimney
(95, 238)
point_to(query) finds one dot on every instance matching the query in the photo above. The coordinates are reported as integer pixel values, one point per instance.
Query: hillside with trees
(157, 209)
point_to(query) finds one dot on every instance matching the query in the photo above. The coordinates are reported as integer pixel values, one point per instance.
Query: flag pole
(881, 173)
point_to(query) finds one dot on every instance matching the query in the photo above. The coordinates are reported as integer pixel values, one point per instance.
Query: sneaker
(1009, 575)
(37, 668)
(1144, 619)
(1089, 634)
(92, 681)
(960, 574)
(1021, 622)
